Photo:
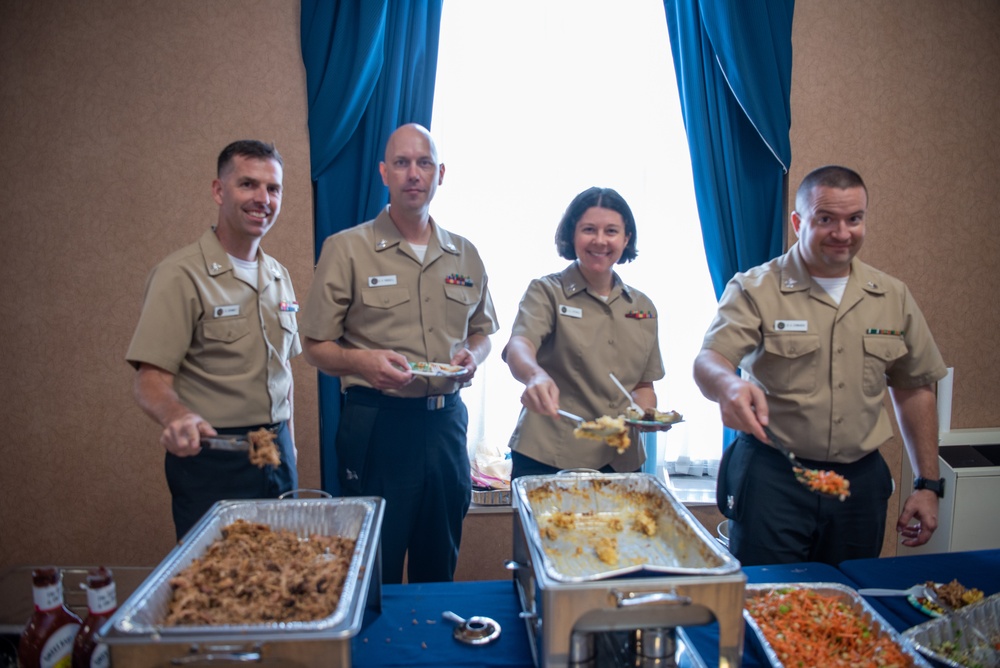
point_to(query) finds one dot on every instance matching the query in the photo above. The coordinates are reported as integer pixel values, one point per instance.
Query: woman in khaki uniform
(572, 330)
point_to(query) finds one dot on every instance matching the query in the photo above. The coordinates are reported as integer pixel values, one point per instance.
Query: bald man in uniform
(395, 290)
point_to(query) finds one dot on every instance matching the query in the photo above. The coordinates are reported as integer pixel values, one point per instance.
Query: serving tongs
(805, 476)
(231, 443)
(583, 425)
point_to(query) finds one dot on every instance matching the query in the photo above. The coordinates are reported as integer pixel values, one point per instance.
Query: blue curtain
(734, 71)
(734, 68)
(370, 67)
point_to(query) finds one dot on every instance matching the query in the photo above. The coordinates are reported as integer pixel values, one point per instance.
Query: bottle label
(101, 658)
(58, 649)
(101, 600)
(49, 597)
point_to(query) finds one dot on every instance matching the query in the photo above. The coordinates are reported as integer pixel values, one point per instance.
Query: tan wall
(112, 114)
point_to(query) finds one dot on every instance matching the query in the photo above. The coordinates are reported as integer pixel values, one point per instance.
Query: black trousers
(413, 454)
(196, 483)
(776, 520)
(524, 465)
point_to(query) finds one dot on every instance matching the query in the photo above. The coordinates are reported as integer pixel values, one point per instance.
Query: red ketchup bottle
(47, 640)
(102, 601)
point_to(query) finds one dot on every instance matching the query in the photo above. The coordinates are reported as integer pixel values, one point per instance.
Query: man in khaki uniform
(213, 345)
(819, 335)
(396, 290)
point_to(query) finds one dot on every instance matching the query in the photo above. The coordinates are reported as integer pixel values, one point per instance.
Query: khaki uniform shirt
(580, 339)
(370, 291)
(825, 367)
(227, 343)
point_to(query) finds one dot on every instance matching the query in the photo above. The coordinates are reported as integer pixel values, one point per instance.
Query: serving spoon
(804, 475)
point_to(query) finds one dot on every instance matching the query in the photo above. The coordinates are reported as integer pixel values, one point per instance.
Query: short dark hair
(829, 176)
(248, 148)
(604, 198)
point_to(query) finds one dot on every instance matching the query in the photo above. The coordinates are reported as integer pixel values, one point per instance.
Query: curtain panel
(370, 67)
(734, 68)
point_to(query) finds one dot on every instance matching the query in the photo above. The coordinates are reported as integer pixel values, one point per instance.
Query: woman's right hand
(541, 394)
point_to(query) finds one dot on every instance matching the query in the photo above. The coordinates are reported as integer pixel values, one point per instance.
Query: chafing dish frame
(136, 636)
(554, 609)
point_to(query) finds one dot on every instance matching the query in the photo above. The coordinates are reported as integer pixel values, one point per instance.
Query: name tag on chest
(227, 311)
(377, 281)
(570, 311)
(791, 325)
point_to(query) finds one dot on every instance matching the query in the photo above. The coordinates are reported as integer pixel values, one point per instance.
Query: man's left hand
(919, 518)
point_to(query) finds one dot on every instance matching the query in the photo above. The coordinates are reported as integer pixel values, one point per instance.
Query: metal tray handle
(632, 599)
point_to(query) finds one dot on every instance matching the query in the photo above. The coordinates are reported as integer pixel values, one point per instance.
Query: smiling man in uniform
(819, 336)
(213, 345)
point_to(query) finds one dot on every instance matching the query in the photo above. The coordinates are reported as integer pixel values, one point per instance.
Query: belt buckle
(435, 402)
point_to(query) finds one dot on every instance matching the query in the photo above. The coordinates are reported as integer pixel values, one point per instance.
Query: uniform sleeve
(171, 310)
(736, 329)
(330, 294)
(922, 364)
(654, 363)
(535, 314)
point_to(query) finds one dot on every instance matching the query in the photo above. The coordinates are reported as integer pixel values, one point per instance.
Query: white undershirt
(833, 286)
(245, 270)
(421, 251)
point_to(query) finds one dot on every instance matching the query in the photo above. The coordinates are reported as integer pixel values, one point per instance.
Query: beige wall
(112, 114)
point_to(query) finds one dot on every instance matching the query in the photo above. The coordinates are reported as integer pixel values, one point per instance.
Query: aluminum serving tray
(872, 620)
(139, 620)
(680, 544)
(970, 628)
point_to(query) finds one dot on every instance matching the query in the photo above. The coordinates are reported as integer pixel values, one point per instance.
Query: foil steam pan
(871, 619)
(568, 516)
(140, 618)
(973, 633)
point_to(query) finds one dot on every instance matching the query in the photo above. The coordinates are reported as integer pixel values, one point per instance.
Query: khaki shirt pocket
(790, 363)
(226, 345)
(289, 332)
(461, 302)
(389, 315)
(880, 352)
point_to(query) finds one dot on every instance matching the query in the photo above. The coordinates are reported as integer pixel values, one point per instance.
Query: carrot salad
(825, 482)
(807, 628)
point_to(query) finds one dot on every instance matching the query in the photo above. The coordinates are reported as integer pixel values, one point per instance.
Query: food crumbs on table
(415, 622)
(432, 621)
(388, 640)
(364, 640)
(423, 645)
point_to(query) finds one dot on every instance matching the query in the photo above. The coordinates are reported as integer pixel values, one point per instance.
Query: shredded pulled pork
(254, 575)
(263, 449)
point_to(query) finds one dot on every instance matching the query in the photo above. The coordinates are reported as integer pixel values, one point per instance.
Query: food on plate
(824, 482)
(652, 415)
(435, 369)
(255, 575)
(605, 428)
(807, 628)
(954, 595)
(263, 449)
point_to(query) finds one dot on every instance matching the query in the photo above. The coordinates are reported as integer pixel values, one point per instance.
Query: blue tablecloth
(979, 569)
(410, 631)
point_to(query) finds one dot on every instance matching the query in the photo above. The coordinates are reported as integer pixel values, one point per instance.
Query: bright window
(534, 102)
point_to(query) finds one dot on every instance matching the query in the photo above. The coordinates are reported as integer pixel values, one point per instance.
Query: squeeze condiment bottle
(102, 601)
(47, 640)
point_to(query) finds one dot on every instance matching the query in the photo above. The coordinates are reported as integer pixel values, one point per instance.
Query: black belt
(372, 397)
(229, 431)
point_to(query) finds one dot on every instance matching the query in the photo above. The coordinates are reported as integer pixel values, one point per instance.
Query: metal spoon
(628, 395)
(474, 630)
(801, 472)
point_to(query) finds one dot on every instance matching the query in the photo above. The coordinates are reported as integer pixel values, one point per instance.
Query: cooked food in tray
(607, 429)
(969, 637)
(592, 527)
(254, 575)
(822, 625)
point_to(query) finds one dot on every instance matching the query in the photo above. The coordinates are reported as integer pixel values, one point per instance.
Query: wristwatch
(936, 486)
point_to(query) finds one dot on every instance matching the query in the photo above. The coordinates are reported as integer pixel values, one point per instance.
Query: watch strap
(936, 486)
